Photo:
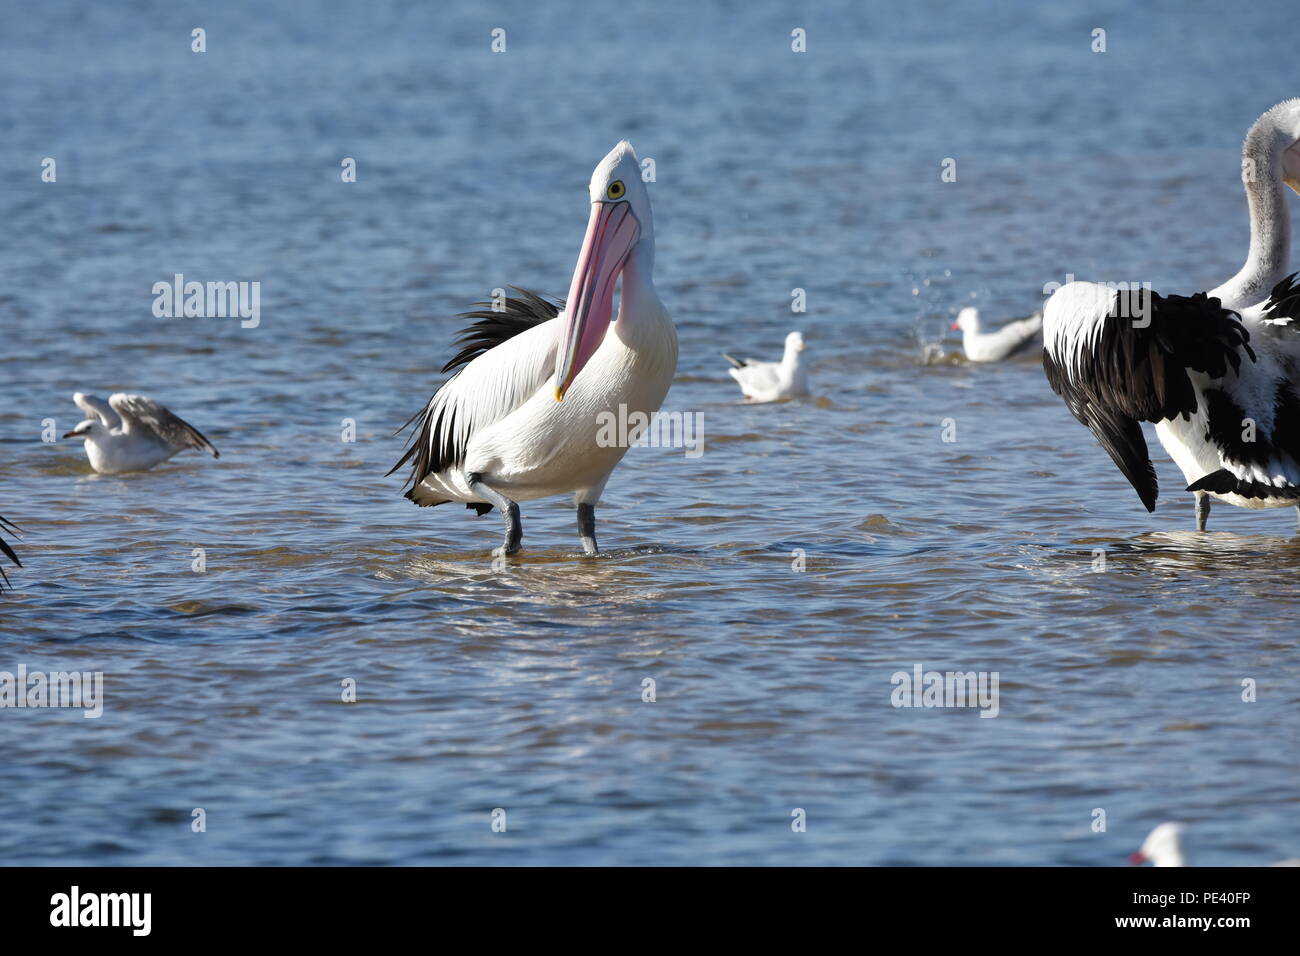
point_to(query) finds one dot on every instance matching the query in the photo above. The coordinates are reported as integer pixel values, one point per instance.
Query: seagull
(1219, 379)
(7, 551)
(132, 433)
(1010, 340)
(537, 386)
(772, 381)
(1164, 847)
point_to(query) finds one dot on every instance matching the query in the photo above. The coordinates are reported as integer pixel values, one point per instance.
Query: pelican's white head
(1276, 134)
(794, 342)
(968, 320)
(1162, 847)
(620, 219)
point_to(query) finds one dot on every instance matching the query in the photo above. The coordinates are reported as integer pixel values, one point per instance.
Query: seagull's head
(794, 342)
(968, 320)
(85, 429)
(619, 220)
(1162, 847)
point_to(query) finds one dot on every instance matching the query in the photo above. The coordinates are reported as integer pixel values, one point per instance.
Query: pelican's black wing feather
(433, 447)
(1135, 369)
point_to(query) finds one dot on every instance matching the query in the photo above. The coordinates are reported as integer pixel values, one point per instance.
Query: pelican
(522, 417)
(1004, 343)
(132, 433)
(1218, 377)
(772, 381)
(7, 550)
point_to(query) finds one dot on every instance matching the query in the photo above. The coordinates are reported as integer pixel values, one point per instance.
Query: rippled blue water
(521, 689)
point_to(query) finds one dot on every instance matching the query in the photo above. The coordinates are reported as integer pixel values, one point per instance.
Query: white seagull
(1221, 386)
(529, 412)
(1010, 340)
(132, 433)
(1164, 847)
(772, 381)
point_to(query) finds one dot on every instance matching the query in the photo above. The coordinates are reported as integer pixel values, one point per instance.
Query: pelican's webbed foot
(1202, 510)
(509, 511)
(587, 528)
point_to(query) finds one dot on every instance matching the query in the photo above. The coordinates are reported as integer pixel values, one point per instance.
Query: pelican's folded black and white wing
(1281, 310)
(1123, 357)
(7, 550)
(505, 357)
(141, 414)
(1254, 423)
(96, 407)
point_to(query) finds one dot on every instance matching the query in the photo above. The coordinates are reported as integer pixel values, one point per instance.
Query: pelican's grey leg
(1202, 510)
(587, 528)
(509, 510)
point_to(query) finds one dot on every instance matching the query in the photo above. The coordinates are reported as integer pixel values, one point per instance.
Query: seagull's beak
(612, 231)
(71, 434)
(956, 326)
(1136, 858)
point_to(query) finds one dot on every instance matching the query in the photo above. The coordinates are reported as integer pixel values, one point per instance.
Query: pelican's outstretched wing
(7, 550)
(1120, 358)
(505, 357)
(95, 407)
(142, 414)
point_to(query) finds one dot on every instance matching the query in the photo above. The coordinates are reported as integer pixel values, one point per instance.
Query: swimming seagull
(132, 433)
(1164, 847)
(527, 414)
(772, 381)
(7, 551)
(1221, 386)
(1010, 340)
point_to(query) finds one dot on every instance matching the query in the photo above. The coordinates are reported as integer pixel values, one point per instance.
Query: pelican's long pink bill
(612, 231)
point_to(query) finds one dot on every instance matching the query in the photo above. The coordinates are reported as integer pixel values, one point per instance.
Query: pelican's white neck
(1270, 220)
(638, 278)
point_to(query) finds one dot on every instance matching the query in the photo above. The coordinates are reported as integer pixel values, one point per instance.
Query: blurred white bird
(1164, 847)
(132, 433)
(772, 381)
(1012, 339)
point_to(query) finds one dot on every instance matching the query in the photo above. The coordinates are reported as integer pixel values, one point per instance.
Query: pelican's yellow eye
(616, 190)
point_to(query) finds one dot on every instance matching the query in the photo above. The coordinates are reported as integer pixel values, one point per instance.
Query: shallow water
(521, 688)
